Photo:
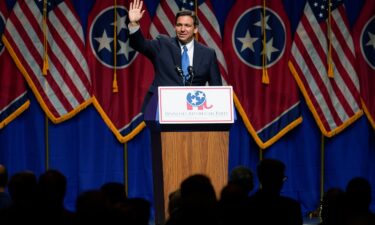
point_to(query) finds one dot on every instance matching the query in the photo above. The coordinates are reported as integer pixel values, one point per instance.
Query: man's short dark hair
(188, 13)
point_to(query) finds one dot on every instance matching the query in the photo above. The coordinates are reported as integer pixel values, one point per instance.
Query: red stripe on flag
(159, 26)
(78, 71)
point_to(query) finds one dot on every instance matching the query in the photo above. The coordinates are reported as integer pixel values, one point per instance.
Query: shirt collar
(189, 45)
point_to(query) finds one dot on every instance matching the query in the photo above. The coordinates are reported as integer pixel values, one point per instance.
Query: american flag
(66, 87)
(364, 42)
(209, 29)
(322, 37)
(13, 93)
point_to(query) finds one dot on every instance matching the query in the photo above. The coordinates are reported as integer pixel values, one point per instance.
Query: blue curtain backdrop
(86, 151)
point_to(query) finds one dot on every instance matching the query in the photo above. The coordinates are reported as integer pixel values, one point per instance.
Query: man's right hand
(135, 12)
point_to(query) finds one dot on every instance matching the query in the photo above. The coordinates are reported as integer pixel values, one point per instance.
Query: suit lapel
(197, 56)
(176, 54)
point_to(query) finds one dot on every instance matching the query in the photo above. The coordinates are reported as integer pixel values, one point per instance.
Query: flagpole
(45, 41)
(265, 78)
(321, 174)
(114, 84)
(260, 159)
(329, 30)
(46, 142)
(126, 168)
(196, 14)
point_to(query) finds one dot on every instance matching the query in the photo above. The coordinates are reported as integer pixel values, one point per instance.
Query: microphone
(180, 73)
(191, 73)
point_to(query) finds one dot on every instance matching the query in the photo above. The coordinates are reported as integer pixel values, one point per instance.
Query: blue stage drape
(86, 151)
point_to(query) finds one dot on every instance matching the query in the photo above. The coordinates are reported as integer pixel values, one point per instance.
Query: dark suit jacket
(165, 54)
(265, 208)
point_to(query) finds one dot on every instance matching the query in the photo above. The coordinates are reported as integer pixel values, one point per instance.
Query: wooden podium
(181, 150)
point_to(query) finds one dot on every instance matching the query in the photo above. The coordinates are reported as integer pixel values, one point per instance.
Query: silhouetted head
(271, 175)
(23, 188)
(333, 208)
(197, 191)
(92, 207)
(358, 192)
(232, 194)
(115, 192)
(52, 187)
(243, 177)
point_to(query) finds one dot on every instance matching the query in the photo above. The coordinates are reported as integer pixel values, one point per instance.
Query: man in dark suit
(167, 53)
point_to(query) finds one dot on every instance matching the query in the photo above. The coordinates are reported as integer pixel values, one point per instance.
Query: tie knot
(184, 48)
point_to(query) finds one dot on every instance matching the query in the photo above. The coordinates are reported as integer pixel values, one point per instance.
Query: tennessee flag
(13, 93)
(120, 75)
(364, 42)
(45, 39)
(257, 43)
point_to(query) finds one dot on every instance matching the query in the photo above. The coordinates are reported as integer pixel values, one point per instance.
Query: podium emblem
(197, 99)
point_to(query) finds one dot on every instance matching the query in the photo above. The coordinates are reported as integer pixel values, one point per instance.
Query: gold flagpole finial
(265, 77)
(114, 84)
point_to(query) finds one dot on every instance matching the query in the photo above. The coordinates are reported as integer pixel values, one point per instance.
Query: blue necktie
(185, 64)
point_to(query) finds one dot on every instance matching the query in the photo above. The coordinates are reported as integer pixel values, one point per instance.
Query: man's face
(185, 29)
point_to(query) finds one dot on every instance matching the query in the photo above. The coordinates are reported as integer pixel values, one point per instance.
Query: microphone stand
(191, 73)
(180, 73)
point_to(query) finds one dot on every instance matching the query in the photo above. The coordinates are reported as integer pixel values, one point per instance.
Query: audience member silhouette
(198, 203)
(174, 201)
(22, 188)
(233, 197)
(140, 210)
(128, 211)
(333, 207)
(115, 192)
(135, 211)
(232, 205)
(52, 189)
(358, 192)
(92, 207)
(267, 206)
(5, 200)
(193, 203)
(242, 176)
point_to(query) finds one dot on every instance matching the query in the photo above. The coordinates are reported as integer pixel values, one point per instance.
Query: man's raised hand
(135, 12)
